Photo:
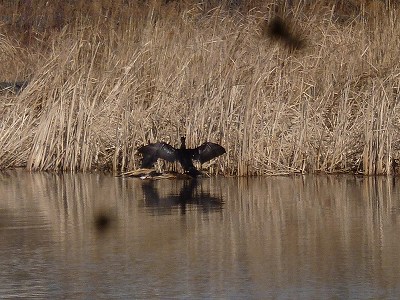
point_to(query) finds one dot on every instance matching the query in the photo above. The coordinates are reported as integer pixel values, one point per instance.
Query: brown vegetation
(108, 76)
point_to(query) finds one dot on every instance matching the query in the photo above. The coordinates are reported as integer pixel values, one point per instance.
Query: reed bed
(103, 84)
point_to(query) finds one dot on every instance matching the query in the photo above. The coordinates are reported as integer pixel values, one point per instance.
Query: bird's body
(205, 152)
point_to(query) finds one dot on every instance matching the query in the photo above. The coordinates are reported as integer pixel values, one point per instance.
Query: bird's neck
(183, 144)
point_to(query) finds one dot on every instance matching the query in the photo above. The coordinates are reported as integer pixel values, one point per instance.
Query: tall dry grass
(101, 85)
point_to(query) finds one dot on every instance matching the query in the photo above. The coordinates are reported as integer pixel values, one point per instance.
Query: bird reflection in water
(190, 197)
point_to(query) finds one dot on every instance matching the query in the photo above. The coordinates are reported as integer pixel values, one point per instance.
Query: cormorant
(205, 152)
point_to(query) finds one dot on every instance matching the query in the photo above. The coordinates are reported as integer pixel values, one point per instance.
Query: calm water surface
(91, 236)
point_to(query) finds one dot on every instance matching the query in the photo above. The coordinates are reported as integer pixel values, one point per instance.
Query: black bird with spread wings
(205, 152)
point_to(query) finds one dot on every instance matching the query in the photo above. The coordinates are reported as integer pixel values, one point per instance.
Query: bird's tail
(193, 172)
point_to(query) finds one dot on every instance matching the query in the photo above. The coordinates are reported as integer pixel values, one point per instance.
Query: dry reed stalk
(379, 132)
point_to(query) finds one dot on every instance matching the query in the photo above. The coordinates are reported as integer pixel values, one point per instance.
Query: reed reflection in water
(276, 237)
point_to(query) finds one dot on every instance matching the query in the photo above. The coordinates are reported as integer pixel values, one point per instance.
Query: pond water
(92, 236)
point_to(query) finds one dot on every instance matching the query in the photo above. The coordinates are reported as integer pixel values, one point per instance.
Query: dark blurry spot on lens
(102, 222)
(280, 30)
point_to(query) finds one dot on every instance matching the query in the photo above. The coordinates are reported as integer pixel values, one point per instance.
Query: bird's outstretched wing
(152, 152)
(207, 151)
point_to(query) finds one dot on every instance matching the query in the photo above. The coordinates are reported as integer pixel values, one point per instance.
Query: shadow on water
(96, 236)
